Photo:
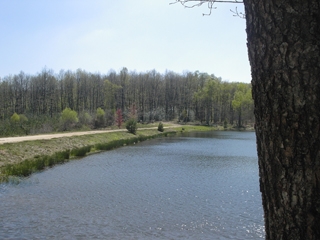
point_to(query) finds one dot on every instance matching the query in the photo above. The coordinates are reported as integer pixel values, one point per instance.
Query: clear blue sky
(99, 35)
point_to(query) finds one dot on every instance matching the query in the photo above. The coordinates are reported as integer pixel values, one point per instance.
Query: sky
(102, 35)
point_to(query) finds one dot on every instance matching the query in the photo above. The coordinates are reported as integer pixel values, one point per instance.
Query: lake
(194, 186)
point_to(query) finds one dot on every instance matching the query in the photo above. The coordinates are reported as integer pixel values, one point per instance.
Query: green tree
(100, 117)
(208, 96)
(110, 94)
(160, 127)
(68, 119)
(85, 118)
(242, 99)
(124, 78)
(19, 124)
(131, 125)
(24, 123)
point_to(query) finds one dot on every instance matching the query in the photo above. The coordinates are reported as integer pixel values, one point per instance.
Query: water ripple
(170, 188)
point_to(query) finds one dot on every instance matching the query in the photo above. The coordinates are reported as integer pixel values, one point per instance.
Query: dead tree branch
(236, 13)
(198, 3)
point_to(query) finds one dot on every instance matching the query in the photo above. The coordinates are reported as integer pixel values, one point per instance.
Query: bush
(160, 127)
(15, 118)
(110, 117)
(68, 118)
(23, 118)
(85, 119)
(100, 118)
(131, 126)
(29, 166)
(80, 152)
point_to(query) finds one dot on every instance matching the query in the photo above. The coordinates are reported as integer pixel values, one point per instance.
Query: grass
(30, 166)
(192, 128)
(80, 152)
(24, 158)
(47, 153)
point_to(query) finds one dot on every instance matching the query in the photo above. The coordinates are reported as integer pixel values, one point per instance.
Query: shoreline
(21, 156)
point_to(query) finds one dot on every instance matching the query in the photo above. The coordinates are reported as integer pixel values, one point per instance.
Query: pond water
(195, 186)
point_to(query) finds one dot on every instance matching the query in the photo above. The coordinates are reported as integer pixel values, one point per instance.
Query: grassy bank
(24, 158)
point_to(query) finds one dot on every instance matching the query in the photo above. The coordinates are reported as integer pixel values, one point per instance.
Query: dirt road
(54, 135)
(59, 135)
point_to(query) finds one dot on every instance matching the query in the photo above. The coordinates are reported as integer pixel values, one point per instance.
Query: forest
(46, 101)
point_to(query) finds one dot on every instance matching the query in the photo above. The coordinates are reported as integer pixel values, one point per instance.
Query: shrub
(15, 118)
(80, 152)
(131, 126)
(100, 118)
(68, 118)
(23, 118)
(29, 166)
(110, 117)
(160, 127)
(62, 156)
(85, 119)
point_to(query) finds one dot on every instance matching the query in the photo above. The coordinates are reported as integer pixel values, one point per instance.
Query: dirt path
(54, 135)
(60, 135)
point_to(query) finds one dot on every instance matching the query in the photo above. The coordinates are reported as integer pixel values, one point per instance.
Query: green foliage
(110, 91)
(69, 115)
(23, 118)
(242, 96)
(100, 118)
(110, 117)
(160, 127)
(38, 162)
(121, 142)
(105, 146)
(30, 166)
(184, 116)
(147, 97)
(68, 118)
(131, 126)
(242, 99)
(61, 156)
(85, 118)
(207, 96)
(100, 112)
(18, 125)
(31, 125)
(80, 152)
(15, 118)
(113, 144)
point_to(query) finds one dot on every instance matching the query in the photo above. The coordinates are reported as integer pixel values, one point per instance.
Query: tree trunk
(239, 118)
(283, 45)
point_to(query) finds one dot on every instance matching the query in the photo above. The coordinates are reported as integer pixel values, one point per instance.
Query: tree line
(188, 97)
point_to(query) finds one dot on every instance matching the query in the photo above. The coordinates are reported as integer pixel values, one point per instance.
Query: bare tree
(209, 3)
(42, 97)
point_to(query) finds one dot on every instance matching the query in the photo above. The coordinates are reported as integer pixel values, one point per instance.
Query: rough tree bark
(284, 53)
